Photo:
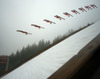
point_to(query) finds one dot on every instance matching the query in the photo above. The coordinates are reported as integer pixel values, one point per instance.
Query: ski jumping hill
(48, 62)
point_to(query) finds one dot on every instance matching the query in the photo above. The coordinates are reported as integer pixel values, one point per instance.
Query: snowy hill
(45, 64)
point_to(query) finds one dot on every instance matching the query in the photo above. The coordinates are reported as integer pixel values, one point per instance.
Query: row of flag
(92, 6)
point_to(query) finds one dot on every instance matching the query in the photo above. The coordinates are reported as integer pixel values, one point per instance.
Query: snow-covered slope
(45, 64)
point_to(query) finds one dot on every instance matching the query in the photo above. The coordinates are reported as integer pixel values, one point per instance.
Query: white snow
(45, 64)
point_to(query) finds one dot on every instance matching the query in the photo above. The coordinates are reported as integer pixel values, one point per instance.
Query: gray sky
(20, 14)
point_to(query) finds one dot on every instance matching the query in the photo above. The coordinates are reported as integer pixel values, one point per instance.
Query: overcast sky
(20, 14)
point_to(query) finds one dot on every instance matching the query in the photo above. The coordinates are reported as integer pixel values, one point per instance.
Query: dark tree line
(23, 54)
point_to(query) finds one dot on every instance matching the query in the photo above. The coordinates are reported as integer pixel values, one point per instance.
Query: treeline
(22, 55)
(26, 53)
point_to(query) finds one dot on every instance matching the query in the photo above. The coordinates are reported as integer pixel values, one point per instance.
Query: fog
(20, 14)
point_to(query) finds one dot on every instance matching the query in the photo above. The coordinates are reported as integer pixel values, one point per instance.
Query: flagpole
(7, 64)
